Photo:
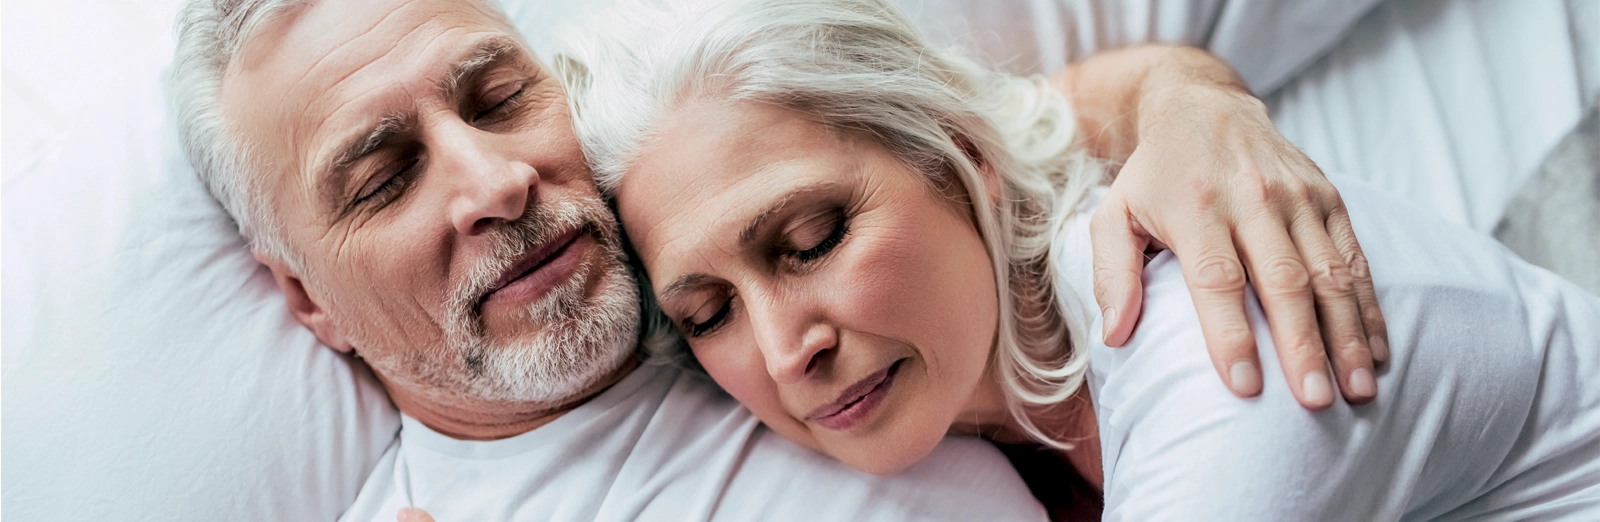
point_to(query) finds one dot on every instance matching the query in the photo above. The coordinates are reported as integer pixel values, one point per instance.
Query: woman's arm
(1200, 169)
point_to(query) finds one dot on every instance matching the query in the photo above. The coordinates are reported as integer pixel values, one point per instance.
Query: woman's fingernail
(1109, 324)
(403, 514)
(1246, 380)
(1317, 388)
(1380, 348)
(1362, 383)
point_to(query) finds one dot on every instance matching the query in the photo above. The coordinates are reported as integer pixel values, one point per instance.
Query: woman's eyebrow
(753, 229)
(683, 284)
(747, 235)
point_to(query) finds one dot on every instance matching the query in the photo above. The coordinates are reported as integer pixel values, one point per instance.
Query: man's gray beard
(583, 340)
(580, 339)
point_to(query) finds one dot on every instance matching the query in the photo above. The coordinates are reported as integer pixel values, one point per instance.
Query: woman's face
(821, 282)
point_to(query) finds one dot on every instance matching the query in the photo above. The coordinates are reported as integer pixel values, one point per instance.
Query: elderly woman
(872, 243)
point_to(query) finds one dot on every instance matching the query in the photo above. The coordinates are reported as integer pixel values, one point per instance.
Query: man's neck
(472, 419)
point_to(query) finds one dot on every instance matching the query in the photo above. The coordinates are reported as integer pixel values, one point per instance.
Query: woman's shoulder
(1465, 320)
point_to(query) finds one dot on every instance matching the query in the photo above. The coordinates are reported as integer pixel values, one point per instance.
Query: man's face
(423, 164)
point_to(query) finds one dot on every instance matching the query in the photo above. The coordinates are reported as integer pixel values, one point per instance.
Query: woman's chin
(886, 457)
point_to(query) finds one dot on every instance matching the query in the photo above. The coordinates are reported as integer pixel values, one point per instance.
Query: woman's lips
(857, 402)
(542, 270)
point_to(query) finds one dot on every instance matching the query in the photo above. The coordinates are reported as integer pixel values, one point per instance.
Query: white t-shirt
(666, 445)
(1488, 409)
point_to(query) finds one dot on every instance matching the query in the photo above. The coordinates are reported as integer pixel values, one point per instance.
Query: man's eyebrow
(334, 179)
(748, 234)
(488, 52)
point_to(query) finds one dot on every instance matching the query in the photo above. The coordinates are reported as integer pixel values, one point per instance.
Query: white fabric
(1489, 408)
(666, 446)
(1267, 41)
(151, 371)
(1450, 104)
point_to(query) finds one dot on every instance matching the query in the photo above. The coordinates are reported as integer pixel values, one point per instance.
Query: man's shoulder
(703, 453)
(670, 445)
(963, 479)
(377, 499)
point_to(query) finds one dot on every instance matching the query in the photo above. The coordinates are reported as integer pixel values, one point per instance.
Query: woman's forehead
(708, 163)
(696, 196)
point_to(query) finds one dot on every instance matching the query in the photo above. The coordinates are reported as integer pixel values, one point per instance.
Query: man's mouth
(541, 269)
(858, 401)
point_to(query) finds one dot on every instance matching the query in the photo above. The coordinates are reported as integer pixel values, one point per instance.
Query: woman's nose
(792, 344)
(490, 185)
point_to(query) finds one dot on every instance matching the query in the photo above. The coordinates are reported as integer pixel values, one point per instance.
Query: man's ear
(305, 308)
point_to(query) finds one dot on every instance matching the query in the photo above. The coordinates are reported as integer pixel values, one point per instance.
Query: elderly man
(408, 173)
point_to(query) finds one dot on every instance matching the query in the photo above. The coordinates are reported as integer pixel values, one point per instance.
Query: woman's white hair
(861, 67)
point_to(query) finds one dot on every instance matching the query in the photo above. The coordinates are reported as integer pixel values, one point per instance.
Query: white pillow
(151, 371)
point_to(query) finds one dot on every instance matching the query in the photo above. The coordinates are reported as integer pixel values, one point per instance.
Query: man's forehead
(334, 33)
(337, 62)
(308, 52)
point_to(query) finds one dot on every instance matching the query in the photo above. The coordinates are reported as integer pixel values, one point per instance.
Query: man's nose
(489, 183)
(792, 339)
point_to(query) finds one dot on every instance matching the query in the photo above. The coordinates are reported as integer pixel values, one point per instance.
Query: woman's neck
(1071, 421)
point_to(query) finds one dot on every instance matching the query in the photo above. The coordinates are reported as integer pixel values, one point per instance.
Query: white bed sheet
(150, 369)
(1450, 104)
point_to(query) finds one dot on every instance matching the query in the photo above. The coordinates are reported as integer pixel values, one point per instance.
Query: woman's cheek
(742, 372)
(891, 283)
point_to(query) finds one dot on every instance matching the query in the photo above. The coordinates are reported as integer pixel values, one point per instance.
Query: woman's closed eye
(811, 238)
(712, 315)
(803, 241)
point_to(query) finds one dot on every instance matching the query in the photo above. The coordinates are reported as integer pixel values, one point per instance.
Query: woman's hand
(1205, 173)
(413, 515)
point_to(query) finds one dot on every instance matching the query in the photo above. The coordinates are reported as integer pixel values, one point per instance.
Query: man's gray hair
(861, 67)
(211, 33)
(210, 36)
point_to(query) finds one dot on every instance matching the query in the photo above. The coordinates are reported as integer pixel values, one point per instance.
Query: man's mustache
(509, 243)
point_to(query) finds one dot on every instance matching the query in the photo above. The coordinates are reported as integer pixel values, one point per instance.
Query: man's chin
(578, 338)
(541, 375)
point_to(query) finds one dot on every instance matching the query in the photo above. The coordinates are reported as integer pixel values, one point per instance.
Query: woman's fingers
(1284, 286)
(1118, 263)
(1338, 309)
(1216, 282)
(413, 515)
(1372, 323)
